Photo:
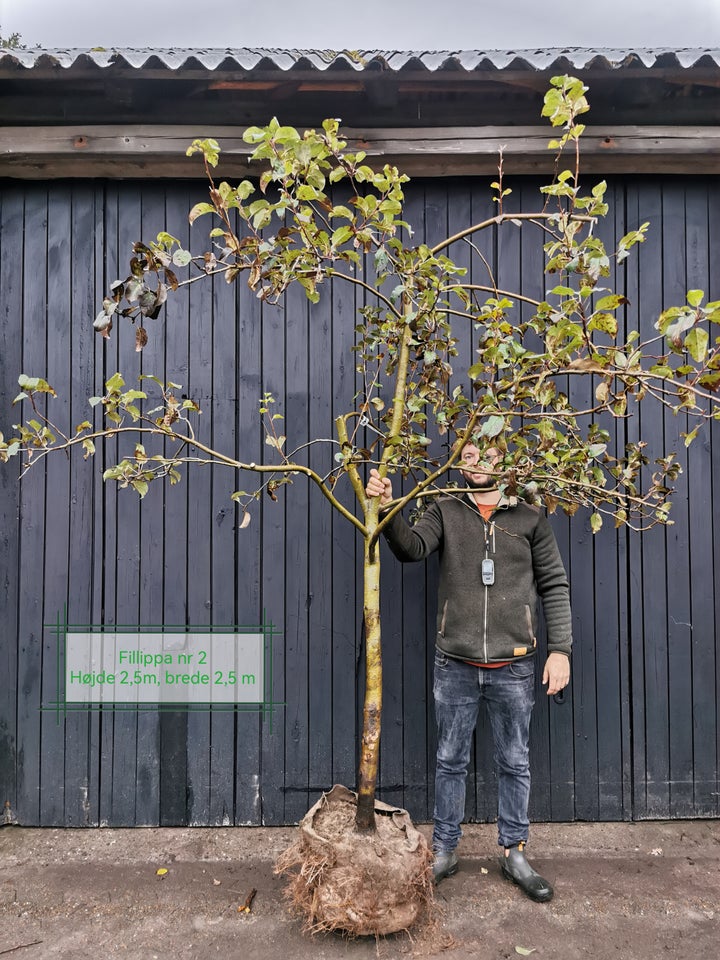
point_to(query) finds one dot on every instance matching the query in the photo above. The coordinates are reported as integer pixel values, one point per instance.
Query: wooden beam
(152, 151)
(244, 84)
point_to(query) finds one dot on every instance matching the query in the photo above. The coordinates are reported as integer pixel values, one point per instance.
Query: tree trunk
(372, 710)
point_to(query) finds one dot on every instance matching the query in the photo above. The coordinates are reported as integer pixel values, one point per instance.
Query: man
(497, 555)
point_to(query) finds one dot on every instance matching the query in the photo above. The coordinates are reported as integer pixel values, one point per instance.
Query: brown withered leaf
(141, 339)
(586, 364)
(551, 502)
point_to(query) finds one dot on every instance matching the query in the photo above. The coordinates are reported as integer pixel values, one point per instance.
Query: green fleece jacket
(490, 623)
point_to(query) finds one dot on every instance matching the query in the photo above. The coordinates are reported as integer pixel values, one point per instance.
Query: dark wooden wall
(638, 733)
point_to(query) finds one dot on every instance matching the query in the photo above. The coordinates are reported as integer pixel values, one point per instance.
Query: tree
(288, 230)
(11, 42)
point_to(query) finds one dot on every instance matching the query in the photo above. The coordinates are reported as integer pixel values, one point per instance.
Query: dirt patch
(623, 891)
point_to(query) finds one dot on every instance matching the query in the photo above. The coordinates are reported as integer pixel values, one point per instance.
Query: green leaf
(199, 210)
(115, 383)
(689, 437)
(596, 522)
(611, 302)
(209, 149)
(493, 426)
(696, 343)
(35, 384)
(604, 322)
(661, 370)
(306, 192)
(181, 258)
(694, 297)
(341, 235)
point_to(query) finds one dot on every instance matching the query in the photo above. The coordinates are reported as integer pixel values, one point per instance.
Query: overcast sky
(367, 24)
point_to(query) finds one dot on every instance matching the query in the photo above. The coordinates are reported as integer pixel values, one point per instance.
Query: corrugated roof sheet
(578, 58)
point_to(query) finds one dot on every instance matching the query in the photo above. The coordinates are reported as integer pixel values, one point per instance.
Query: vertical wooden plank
(298, 667)
(623, 557)
(679, 634)
(112, 259)
(200, 525)
(581, 573)
(151, 786)
(636, 651)
(55, 573)
(319, 548)
(248, 786)
(714, 294)
(11, 284)
(606, 612)
(420, 580)
(32, 515)
(166, 768)
(702, 584)
(124, 509)
(272, 562)
(346, 588)
(653, 639)
(224, 574)
(403, 661)
(545, 793)
(81, 753)
(552, 760)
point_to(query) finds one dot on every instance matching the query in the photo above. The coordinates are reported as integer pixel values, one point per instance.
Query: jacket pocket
(441, 631)
(522, 669)
(528, 620)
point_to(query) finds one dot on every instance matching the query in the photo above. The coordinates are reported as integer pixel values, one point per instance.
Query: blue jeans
(509, 693)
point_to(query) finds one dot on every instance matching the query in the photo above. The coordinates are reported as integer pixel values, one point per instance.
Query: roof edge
(251, 58)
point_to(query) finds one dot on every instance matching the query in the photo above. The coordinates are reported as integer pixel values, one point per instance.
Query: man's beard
(481, 481)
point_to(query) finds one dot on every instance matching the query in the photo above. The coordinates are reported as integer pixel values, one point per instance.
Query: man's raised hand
(376, 487)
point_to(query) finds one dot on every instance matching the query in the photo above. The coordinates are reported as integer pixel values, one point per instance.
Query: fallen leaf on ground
(161, 871)
(525, 951)
(247, 906)
(657, 852)
(483, 870)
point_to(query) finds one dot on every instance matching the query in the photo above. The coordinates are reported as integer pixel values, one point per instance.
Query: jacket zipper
(489, 532)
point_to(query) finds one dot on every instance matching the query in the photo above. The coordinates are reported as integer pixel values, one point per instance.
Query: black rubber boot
(516, 868)
(445, 864)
